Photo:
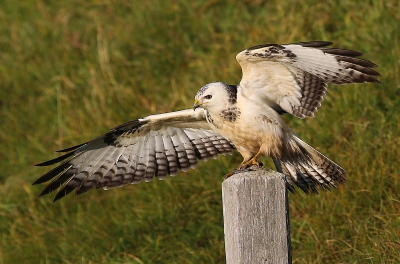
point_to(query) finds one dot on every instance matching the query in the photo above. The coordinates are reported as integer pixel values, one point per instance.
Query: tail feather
(282, 169)
(307, 168)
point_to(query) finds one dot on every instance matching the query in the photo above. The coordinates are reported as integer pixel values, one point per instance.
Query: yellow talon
(245, 164)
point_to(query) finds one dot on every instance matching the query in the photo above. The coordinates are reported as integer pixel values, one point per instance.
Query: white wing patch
(142, 149)
(294, 77)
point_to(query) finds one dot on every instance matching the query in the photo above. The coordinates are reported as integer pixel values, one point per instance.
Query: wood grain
(256, 218)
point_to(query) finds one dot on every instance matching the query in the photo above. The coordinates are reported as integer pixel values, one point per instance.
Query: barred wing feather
(155, 146)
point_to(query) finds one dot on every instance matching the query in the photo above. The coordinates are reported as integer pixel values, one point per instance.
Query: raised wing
(157, 145)
(294, 77)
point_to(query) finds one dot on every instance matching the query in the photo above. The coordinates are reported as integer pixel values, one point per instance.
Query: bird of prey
(276, 79)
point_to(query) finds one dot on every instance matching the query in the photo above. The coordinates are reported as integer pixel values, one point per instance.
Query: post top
(255, 172)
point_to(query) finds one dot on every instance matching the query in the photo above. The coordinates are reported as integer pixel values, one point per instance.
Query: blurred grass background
(70, 70)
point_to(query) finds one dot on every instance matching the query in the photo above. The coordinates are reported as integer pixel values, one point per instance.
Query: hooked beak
(196, 104)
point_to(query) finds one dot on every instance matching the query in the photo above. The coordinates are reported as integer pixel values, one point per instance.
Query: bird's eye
(208, 97)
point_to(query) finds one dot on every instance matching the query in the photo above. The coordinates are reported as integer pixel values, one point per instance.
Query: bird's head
(215, 97)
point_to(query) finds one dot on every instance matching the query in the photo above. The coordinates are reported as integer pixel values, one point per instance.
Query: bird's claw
(241, 169)
(249, 167)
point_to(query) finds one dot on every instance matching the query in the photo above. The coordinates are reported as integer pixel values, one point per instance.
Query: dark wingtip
(57, 182)
(49, 189)
(72, 148)
(58, 197)
(36, 182)
(63, 192)
(52, 173)
(342, 52)
(56, 160)
(376, 81)
(313, 44)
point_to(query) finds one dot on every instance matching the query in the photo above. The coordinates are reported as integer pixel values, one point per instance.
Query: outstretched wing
(157, 145)
(294, 77)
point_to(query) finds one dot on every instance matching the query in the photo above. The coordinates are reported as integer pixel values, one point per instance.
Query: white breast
(256, 127)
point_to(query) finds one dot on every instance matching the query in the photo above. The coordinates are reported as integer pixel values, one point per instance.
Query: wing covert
(155, 146)
(294, 77)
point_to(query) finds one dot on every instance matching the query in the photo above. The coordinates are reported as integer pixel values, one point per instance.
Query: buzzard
(277, 79)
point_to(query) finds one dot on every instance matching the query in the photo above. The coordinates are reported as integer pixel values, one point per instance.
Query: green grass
(70, 70)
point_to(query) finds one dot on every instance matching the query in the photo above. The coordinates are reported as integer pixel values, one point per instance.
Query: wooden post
(256, 218)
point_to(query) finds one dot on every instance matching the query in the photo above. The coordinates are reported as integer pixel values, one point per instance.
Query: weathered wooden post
(256, 218)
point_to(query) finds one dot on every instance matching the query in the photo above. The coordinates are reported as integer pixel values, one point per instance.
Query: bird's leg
(250, 162)
(246, 165)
